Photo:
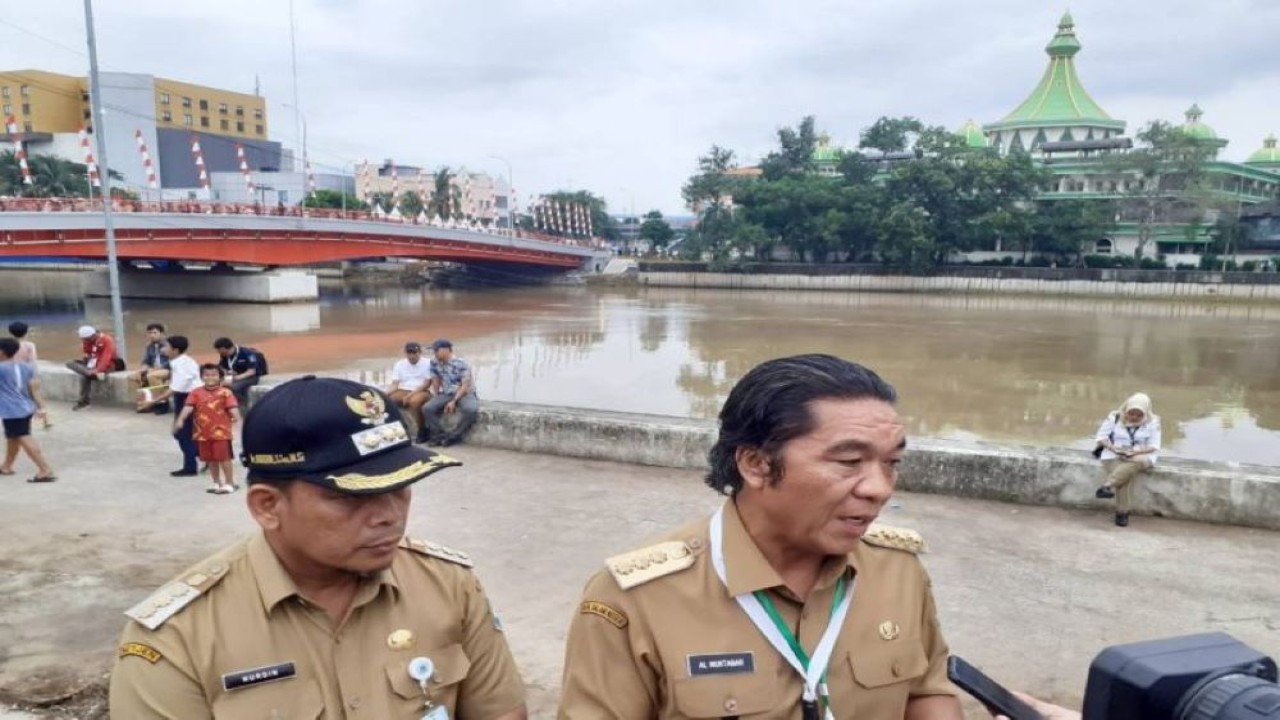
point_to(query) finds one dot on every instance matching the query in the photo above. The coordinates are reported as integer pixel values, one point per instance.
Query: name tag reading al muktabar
(721, 664)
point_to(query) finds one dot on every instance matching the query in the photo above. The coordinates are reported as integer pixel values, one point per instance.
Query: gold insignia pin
(889, 630)
(369, 406)
(197, 579)
(400, 640)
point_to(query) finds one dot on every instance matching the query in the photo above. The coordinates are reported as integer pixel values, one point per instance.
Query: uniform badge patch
(722, 664)
(616, 617)
(257, 676)
(146, 652)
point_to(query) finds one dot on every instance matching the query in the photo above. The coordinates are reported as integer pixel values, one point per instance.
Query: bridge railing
(191, 207)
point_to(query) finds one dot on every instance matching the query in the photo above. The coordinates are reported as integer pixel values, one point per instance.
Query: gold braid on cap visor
(357, 481)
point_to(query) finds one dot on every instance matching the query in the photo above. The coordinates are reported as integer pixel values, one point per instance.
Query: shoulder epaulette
(895, 538)
(176, 595)
(640, 566)
(436, 550)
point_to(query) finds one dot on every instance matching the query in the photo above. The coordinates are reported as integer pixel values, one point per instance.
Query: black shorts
(15, 428)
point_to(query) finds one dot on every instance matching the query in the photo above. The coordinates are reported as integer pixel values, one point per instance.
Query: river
(1030, 370)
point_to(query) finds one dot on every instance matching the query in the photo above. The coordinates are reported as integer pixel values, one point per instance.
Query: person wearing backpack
(1128, 445)
(244, 367)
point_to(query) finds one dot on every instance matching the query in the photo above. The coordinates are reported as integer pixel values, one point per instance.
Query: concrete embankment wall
(1241, 287)
(1187, 489)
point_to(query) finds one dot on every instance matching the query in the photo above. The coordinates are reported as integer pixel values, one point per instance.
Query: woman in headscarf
(1130, 442)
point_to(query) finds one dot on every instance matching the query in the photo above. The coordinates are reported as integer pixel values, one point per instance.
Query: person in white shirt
(1129, 440)
(184, 376)
(410, 380)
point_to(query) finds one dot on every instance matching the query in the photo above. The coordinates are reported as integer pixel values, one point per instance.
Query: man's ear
(753, 466)
(266, 503)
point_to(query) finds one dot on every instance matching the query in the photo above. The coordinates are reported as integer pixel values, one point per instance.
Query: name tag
(257, 676)
(723, 664)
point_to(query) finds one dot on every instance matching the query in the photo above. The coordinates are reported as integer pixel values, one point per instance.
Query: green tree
(446, 197)
(709, 194)
(334, 200)
(1067, 230)
(889, 134)
(411, 204)
(51, 176)
(794, 155)
(656, 230)
(384, 200)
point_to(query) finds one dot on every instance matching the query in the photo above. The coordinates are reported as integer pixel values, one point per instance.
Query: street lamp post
(306, 189)
(511, 216)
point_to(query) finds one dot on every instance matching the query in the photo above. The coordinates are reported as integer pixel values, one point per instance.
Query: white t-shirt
(184, 374)
(410, 376)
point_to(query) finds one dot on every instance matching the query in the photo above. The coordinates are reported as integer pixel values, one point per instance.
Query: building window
(204, 121)
(8, 109)
(1102, 247)
(164, 98)
(26, 126)
(239, 111)
(239, 126)
(257, 129)
(186, 102)
(166, 116)
(26, 108)
(222, 108)
(88, 114)
(223, 123)
(187, 119)
(4, 91)
(25, 91)
(204, 106)
(257, 113)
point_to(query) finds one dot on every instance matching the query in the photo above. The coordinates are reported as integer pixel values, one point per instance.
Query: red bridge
(252, 235)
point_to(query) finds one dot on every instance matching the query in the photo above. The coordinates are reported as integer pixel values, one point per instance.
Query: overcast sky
(621, 96)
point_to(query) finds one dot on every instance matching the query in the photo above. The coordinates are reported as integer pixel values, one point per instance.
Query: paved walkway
(1028, 594)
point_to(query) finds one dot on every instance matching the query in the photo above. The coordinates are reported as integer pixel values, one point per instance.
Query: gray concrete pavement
(1029, 594)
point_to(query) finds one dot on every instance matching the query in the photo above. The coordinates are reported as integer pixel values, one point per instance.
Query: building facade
(477, 195)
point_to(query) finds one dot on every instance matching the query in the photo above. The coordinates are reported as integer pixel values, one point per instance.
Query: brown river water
(1028, 370)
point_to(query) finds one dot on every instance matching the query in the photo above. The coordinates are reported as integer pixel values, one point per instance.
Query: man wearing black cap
(328, 611)
(454, 389)
(410, 378)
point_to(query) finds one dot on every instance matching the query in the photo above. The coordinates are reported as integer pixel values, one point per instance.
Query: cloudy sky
(621, 96)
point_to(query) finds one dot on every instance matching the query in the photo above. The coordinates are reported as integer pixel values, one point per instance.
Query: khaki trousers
(1120, 475)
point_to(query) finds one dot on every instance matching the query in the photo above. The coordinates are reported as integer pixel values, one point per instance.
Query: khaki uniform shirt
(242, 644)
(679, 646)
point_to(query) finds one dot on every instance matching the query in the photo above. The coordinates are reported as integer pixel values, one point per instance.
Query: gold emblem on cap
(889, 630)
(400, 640)
(370, 406)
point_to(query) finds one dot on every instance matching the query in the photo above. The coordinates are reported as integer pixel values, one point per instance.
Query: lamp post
(511, 216)
(306, 189)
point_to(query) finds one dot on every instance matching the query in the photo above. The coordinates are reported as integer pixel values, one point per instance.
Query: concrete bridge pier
(271, 286)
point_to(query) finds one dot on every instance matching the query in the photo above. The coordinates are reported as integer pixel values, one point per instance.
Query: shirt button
(897, 669)
(695, 543)
(731, 705)
(354, 703)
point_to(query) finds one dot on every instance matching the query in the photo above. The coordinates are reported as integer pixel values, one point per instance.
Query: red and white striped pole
(18, 151)
(198, 155)
(244, 169)
(91, 165)
(395, 185)
(147, 167)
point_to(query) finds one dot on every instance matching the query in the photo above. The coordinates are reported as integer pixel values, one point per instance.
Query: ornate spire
(1064, 44)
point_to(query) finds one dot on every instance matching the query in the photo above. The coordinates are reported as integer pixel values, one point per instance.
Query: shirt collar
(747, 569)
(275, 585)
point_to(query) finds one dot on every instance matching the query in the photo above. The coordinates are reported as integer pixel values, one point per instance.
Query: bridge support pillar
(277, 286)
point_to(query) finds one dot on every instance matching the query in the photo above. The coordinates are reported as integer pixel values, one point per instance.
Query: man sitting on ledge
(454, 389)
(99, 359)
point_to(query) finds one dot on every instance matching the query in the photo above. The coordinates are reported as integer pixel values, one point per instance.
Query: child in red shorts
(217, 413)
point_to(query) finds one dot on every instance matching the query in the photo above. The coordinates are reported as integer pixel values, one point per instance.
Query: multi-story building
(50, 110)
(478, 195)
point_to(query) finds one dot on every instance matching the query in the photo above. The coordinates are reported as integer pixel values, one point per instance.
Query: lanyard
(766, 619)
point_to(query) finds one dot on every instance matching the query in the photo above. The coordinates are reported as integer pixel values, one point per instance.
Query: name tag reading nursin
(257, 676)
(722, 664)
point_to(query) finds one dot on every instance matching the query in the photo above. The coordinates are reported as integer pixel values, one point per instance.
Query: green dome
(824, 152)
(1064, 43)
(1196, 129)
(1268, 156)
(972, 135)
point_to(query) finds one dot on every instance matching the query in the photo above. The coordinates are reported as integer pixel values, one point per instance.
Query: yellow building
(45, 102)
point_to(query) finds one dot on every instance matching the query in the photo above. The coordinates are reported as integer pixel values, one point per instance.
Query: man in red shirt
(99, 359)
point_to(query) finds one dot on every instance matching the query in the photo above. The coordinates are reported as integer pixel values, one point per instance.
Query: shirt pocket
(293, 699)
(881, 678)
(451, 668)
(718, 696)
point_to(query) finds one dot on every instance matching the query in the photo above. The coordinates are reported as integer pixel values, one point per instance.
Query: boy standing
(216, 413)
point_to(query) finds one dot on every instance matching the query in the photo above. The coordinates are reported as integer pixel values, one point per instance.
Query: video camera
(1196, 677)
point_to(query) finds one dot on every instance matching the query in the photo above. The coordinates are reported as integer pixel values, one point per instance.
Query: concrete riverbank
(1029, 594)
(1225, 493)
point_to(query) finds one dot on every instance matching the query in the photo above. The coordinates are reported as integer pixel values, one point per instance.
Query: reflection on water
(1022, 369)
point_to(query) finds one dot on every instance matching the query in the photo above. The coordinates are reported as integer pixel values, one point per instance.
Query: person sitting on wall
(244, 367)
(1129, 441)
(153, 376)
(454, 389)
(410, 381)
(99, 359)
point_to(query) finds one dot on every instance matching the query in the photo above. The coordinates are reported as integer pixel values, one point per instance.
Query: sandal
(7, 472)
(38, 479)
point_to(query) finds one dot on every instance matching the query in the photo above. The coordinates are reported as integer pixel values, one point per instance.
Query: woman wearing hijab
(1130, 442)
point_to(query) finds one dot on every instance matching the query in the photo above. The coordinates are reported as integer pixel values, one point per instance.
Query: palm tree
(51, 176)
(446, 198)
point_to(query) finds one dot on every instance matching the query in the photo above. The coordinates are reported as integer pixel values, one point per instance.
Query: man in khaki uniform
(329, 611)
(786, 603)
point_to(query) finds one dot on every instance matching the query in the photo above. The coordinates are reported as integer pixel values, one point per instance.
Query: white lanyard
(756, 612)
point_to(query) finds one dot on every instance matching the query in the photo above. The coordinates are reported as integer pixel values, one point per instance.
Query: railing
(187, 207)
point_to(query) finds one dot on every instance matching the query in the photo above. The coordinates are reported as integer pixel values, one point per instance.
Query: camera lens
(1231, 697)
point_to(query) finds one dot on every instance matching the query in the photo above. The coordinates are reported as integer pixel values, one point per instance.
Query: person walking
(184, 378)
(20, 401)
(1129, 439)
(26, 349)
(99, 359)
(215, 413)
(327, 611)
(454, 390)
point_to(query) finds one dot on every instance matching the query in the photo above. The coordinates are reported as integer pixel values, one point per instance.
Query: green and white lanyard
(762, 613)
